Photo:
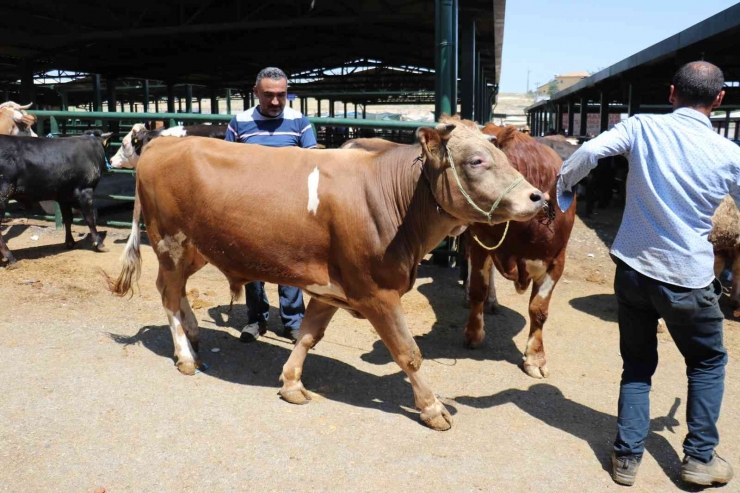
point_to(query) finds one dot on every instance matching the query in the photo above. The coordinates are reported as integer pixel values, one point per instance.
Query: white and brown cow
(523, 252)
(128, 154)
(14, 120)
(347, 226)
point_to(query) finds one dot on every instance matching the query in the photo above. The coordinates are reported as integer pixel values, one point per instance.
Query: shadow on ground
(547, 404)
(260, 364)
(445, 340)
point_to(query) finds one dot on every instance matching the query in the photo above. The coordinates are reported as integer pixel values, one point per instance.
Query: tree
(552, 87)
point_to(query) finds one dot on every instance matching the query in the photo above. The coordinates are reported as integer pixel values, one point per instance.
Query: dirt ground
(91, 398)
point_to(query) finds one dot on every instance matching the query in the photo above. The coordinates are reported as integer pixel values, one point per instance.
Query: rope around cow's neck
(503, 237)
(495, 205)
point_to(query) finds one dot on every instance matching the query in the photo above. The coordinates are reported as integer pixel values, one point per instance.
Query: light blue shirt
(679, 172)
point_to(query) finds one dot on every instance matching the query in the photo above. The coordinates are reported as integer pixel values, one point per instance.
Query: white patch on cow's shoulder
(178, 131)
(545, 287)
(330, 290)
(313, 191)
(172, 245)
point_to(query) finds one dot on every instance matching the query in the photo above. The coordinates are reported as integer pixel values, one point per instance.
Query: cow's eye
(476, 162)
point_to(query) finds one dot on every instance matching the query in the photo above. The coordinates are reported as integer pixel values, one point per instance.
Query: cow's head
(21, 119)
(471, 178)
(129, 152)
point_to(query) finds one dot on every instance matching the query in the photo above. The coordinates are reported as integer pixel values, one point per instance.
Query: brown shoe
(716, 471)
(624, 469)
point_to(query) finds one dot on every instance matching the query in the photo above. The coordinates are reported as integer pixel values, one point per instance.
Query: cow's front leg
(318, 315)
(535, 363)
(85, 199)
(478, 278)
(387, 318)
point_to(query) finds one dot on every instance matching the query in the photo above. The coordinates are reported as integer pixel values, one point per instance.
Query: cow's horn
(25, 107)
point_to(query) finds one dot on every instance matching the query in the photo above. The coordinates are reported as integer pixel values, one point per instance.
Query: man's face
(272, 95)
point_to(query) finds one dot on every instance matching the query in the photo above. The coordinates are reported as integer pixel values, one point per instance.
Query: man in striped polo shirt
(270, 123)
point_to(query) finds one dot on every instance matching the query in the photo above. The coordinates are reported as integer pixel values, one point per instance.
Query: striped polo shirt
(288, 129)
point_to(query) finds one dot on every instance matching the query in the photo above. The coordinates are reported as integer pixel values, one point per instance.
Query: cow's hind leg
(318, 315)
(535, 363)
(387, 318)
(85, 199)
(194, 262)
(66, 210)
(5, 192)
(175, 265)
(479, 276)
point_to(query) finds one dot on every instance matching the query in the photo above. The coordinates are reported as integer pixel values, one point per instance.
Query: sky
(550, 37)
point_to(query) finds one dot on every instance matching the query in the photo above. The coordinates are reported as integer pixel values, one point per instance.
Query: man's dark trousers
(292, 308)
(694, 320)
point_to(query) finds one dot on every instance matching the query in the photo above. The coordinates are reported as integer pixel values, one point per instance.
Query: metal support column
(604, 112)
(356, 115)
(170, 97)
(727, 123)
(146, 95)
(331, 108)
(467, 67)
(214, 100)
(571, 117)
(444, 44)
(188, 98)
(454, 23)
(228, 101)
(28, 89)
(318, 108)
(345, 109)
(584, 117)
(97, 93)
(110, 87)
(633, 105)
(559, 118)
(364, 111)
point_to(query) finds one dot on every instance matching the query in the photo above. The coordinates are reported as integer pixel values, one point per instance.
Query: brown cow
(725, 238)
(349, 227)
(531, 251)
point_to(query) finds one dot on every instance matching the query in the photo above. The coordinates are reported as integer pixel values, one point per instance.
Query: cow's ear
(445, 130)
(106, 138)
(430, 142)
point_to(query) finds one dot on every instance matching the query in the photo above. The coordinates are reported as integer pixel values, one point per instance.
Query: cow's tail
(131, 257)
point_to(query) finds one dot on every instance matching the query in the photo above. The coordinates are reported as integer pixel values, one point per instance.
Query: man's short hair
(273, 73)
(698, 83)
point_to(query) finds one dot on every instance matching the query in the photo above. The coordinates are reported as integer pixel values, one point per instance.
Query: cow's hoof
(69, 245)
(491, 307)
(536, 371)
(473, 340)
(100, 248)
(12, 264)
(298, 396)
(188, 367)
(437, 417)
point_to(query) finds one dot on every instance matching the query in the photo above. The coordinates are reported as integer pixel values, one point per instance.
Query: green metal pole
(454, 26)
(443, 10)
(228, 101)
(53, 125)
(189, 98)
(467, 69)
(146, 95)
(57, 216)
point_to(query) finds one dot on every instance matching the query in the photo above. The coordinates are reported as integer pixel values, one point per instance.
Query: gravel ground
(91, 400)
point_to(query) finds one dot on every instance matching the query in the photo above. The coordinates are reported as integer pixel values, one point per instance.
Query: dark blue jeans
(694, 320)
(292, 308)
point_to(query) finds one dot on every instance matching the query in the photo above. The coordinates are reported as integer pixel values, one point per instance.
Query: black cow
(65, 170)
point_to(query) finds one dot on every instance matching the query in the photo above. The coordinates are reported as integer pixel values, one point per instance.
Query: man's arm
(307, 139)
(616, 141)
(231, 135)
